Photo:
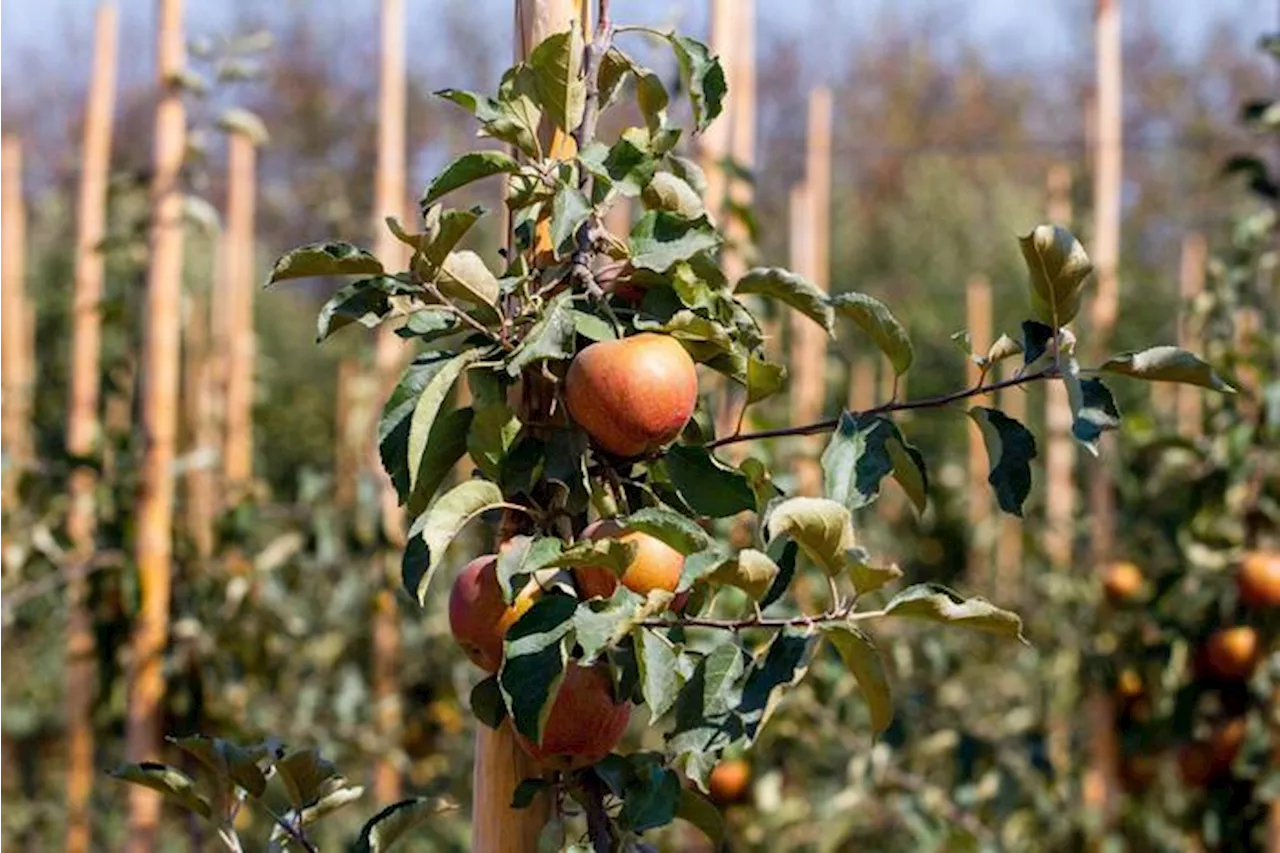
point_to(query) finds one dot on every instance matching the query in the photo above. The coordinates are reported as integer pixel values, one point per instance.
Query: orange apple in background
(729, 782)
(656, 565)
(1122, 582)
(585, 722)
(1231, 653)
(478, 617)
(1203, 761)
(1259, 580)
(632, 395)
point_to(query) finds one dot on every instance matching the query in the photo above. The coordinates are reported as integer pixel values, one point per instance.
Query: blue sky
(1016, 31)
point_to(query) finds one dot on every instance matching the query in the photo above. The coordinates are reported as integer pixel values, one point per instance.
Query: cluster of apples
(1228, 654)
(632, 396)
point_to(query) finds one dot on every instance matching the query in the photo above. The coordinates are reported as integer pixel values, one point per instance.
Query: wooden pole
(238, 331)
(808, 351)
(863, 388)
(978, 308)
(1013, 402)
(500, 765)
(715, 143)
(1191, 274)
(1102, 776)
(818, 181)
(83, 427)
(1060, 449)
(200, 430)
(18, 362)
(160, 361)
(389, 196)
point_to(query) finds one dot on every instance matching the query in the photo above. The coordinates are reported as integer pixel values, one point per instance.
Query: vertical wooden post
(1190, 284)
(1013, 401)
(389, 195)
(82, 423)
(1060, 449)
(200, 432)
(714, 145)
(160, 359)
(808, 351)
(238, 331)
(863, 388)
(1101, 778)
(17, 364)
(500, 765)
(818, 182)
(979, 323)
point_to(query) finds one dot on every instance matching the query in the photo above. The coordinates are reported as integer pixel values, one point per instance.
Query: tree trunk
(160, 365)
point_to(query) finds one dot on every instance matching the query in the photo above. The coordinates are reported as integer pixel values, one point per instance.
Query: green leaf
(446, 444)
(556, 63)
(445, 229)
(873, 317)
(627, 166)
(367, 302)
(428, 407)
(784, 552)
(227, 761)
(307, 777)
(465, 276)
(549, 339)
(615, 68)
(863, 450)
(513, 120)
(751, 571)
(1167, 364)
(936, 603)
(1058, 265)
(707, 485)
(681, 533)
(652, 98)
(688, 171)
(569, 212)
(1036, 339)
(486, 702)
(764, 379)
(490, 435)
(174, 784)
(790, 289)
(862, 659)
(434, 530)
(652, 796)
(395, 427)
(821, 527)
(395, 821)
(429, 324)
(470, 167)
(660, 679)
(669, 192)
(320, 259)
(783, 665)
(702, 76)
(1093, 408)
(866, 576)
(612, 554)
(527, 791)
(722, 669)
(524, 555)
(1010, 449)
(1004, 347)
(592, 327)
(661, 239)
(534, 658)
(697, 809)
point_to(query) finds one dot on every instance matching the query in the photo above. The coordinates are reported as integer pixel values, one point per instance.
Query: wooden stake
(1060, 449)
(979, 322)
(863, 388)
(200, 429)
(83, 427)
(1102, 776)
(1013, 402)
(808, 352)
(500, 765)
(18, 362)
(389, 195)
(716, 141)
(818, 181)
(238, 333)
(160, 360)
(1189, 399)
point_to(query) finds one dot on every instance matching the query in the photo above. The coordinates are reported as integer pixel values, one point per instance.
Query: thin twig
(448, 305)
(836, 616)
(599, 827)
(886, 408)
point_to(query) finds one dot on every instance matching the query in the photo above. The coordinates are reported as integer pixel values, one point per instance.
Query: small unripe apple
(585, 722)
(1259, 580)
(478, 616)
(632, 395)
(656, 565)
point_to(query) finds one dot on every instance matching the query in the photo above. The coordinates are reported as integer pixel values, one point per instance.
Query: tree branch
(886, 408)
(836, 616)
(599, 827)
